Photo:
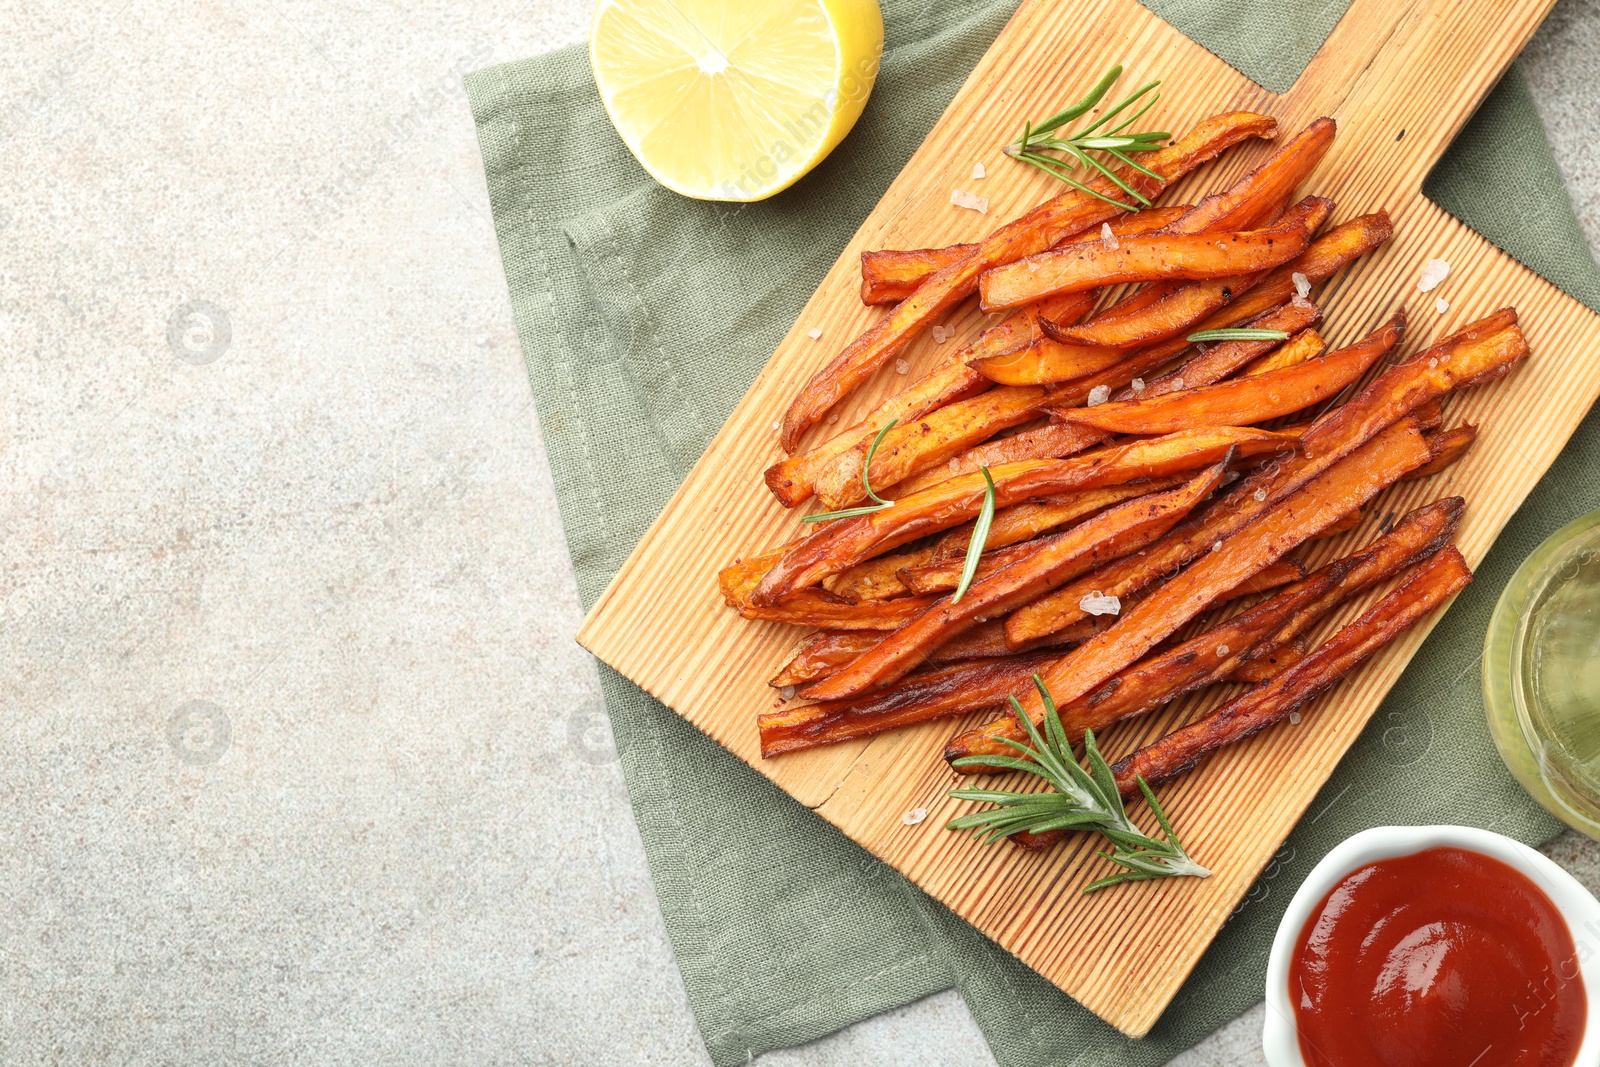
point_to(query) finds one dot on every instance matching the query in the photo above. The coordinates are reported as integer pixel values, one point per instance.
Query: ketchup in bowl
(1442, 958)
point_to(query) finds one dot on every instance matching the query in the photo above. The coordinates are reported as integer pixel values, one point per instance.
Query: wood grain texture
(1401, 76)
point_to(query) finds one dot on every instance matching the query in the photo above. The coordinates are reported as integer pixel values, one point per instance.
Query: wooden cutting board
(1401, 76)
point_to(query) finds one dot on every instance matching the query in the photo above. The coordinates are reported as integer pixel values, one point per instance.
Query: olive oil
(1542, 674)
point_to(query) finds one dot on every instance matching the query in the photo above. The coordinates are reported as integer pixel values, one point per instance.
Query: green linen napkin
(784, 929)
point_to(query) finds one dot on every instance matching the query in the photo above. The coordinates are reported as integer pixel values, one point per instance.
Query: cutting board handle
(1434, 61)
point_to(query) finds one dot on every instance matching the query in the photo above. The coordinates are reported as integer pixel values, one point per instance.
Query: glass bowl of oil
(1541, 674)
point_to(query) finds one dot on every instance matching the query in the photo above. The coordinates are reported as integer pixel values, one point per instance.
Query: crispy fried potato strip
(1153, 257)
(1240, 402)
(1112, 533)
(877, 579)
(954, 690)
(1307, 344)
(846, 542)
(890, 276)
(1433, 582)
(1349, 484)
(1055, 440)
(1042, 228)
(1446, 447)
(1271, 664)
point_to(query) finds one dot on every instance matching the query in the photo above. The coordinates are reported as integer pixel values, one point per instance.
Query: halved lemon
(734, 99)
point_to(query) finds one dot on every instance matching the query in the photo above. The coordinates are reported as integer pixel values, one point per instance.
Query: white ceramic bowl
(1576, 904)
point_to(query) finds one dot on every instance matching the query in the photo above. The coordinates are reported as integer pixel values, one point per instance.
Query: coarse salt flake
(955, 463)
(814, 333)
(914, 816)
(1441, 305)
(1294, 718)
(1433, 361)
(1222, 650)
(1033, 264)
(901, 366)
(1099, 395)
(1260, 495)
(1177, 383)
(1138, 385)
(1216, 546)
(775, 426)
(787, 692)
(1108, 238)
(941, 334)
(1095, 604)
(971, 201)
(1302, 285)
(1436, 271)
(978, 171)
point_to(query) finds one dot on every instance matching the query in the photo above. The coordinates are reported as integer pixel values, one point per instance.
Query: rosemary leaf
(1035, 143)
(980, 537)
(1237, 335)
(866, 483)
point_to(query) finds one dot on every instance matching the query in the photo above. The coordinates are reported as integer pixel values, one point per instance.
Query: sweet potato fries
(1083, 494)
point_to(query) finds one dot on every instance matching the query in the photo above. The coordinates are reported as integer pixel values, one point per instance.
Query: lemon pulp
(723, 100)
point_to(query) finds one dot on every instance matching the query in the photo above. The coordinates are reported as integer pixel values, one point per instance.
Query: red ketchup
(1444, 958)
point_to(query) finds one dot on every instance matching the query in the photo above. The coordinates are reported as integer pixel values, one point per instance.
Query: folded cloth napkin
(644, 317)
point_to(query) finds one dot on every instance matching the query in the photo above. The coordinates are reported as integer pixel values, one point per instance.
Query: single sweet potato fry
(877, 579)
(1022, 521)
(1179, 310)
(845, 542)
(889, 276)
(1055, 440)
(1307, 344)
(1430, 416)
(1270, 665)
(1446, 447)
(1349, 522)
(952, 690)
(1431, 584)
(823, 653)
(1055, 559)
(811, 607)
(830, 651)
(1484, 350)
(1249, 201)
(1268, 578)
(1239, 402)
(1043, 227)
(1153, 257)
(1350, 483)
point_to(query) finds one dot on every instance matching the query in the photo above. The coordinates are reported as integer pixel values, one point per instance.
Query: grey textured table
(301, 765)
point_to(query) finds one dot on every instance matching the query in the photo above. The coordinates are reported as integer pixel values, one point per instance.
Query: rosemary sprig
(1036, 141)
(1079, 800)
(980, 537)
(866, 483)
(1237, 335)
